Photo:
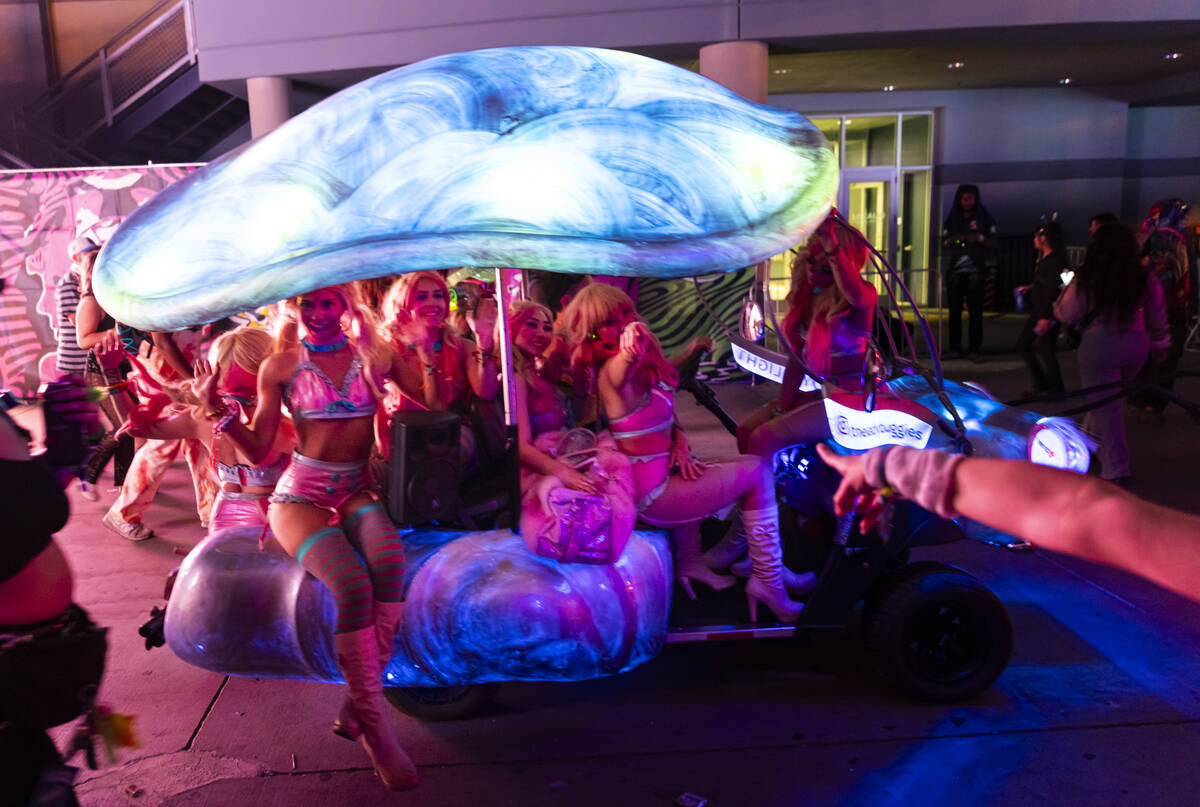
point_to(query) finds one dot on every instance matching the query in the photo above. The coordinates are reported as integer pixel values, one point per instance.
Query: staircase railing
(152, 50)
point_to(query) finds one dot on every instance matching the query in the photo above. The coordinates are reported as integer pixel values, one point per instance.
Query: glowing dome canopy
(565, 159)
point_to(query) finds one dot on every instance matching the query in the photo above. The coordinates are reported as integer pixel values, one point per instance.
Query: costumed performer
(544, 438)
(242, 500)
(327, 368)
(635, 387)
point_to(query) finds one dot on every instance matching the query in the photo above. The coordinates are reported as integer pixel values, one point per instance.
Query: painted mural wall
(40, 213)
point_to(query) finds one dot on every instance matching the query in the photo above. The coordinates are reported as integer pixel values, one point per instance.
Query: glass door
(867, 198)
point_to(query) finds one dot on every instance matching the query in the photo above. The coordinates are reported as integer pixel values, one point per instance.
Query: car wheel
(441, 703)
(938, 633)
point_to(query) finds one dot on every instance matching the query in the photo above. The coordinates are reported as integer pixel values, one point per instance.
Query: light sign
(759, 365)
(859, 430)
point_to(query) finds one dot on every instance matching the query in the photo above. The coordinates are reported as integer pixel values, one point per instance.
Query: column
(270, 103)
(740, 66)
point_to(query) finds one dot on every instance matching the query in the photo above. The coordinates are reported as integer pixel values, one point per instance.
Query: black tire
(442, 703)
(938, 633)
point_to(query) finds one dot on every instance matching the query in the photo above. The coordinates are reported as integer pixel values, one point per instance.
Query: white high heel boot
(797, 585)
(688, 564)
(358, 658)
(766, 561)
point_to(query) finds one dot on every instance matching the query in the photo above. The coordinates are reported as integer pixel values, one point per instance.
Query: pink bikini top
(312, 396)
(654, 414)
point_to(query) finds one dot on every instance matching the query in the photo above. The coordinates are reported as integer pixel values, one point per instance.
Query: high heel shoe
(358, 657)
(766, 559)
(688, 564)
(797, 584)
(388, 616)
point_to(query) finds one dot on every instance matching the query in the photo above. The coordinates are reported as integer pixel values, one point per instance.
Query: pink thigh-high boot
(376, 539)
(330, 558)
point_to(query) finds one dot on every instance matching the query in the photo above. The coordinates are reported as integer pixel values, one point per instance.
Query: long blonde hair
(397, 312)
(588, 310)
(804, 306)
(538, 381)
(247, 347)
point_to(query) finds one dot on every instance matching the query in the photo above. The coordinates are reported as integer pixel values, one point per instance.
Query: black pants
(1162, 373)
(119, 449)
(965, 287)
(1038, 351)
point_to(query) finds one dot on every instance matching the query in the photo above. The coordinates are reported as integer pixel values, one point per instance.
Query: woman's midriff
(39, 591)
(346, 440)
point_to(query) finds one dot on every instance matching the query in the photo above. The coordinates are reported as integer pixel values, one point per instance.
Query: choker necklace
(326, 348)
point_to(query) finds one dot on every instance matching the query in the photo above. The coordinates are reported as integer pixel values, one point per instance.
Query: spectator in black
(1099, 220)
(968, 241)
(1036, 343)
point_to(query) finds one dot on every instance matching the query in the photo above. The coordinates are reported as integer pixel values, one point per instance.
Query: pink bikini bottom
(322, 484)
(233, 509)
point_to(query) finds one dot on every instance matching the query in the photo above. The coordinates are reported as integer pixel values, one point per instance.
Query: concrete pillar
(270, 103)
(740, 66)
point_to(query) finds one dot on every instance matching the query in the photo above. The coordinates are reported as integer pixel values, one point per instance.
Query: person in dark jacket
(968, 240)
(1036, 343)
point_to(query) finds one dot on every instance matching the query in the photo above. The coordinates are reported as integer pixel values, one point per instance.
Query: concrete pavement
(1100, 704)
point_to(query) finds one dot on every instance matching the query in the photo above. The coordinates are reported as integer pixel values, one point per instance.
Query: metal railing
(153, 49)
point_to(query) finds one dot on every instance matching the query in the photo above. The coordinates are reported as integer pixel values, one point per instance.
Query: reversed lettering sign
(859, 430)
(752, 362)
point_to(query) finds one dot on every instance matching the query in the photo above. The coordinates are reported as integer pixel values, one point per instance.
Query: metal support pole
(511, 437)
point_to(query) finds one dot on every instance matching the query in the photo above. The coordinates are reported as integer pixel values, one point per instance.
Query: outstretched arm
(1059, 510)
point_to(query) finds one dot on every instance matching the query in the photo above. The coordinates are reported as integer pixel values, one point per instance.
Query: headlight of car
(1058, 443)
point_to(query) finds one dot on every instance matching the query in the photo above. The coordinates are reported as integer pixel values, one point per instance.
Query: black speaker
(426, 467)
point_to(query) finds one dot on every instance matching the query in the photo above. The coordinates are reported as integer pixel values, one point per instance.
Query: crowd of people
(286, 428)
(1125, 309)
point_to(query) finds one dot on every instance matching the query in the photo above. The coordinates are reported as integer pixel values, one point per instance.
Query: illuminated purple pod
(567, 159)
(478, 607)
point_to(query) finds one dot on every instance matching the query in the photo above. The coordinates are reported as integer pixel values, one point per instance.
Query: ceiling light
(889, 87)
(1064, 81)
(1172, 56)
(954, 65)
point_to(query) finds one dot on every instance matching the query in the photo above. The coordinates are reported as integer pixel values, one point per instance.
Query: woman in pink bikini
(330, 381)
(635, 385)
(245, 486)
